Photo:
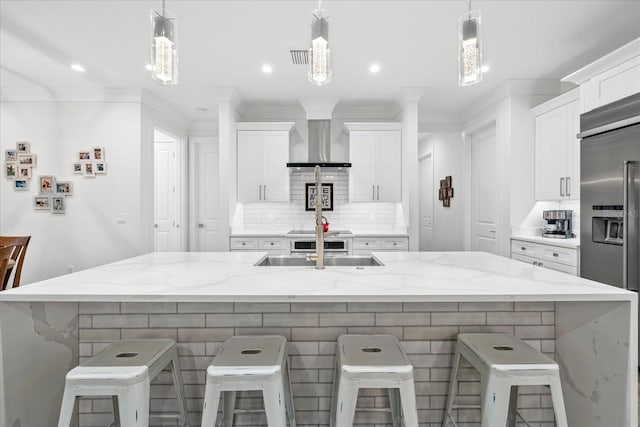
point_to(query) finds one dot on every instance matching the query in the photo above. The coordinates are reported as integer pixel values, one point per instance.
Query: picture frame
(11, 170)
(77, 168)
(58, 205)
(84, 156)
(64, 188)
(89, 169)
(449, 192)
(98, 153)
(310, 196)
(447, 181)
(46, 184)
(42, 203)
(23, 147)
(21, 185)
(24, 172)
(446, 202)
(27, 159)
(11, 155)
(101, 168)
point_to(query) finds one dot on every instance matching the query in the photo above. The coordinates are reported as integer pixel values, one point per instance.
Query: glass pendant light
(319, 54)
(469, 48)
(164, 47)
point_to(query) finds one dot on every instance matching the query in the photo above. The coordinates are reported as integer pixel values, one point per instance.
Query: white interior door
(426, 202)
(166, 209)
(209, 226)
(484, 188)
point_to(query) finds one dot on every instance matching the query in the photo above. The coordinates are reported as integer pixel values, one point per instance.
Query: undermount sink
(337, 261)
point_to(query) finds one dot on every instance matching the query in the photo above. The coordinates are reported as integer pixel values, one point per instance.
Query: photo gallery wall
(20, 162)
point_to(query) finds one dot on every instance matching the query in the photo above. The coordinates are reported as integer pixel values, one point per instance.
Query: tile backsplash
(344, 213)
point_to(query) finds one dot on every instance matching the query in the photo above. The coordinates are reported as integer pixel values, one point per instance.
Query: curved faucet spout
(319, 227)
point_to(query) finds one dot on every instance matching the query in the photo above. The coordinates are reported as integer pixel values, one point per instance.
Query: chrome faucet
(318, 257)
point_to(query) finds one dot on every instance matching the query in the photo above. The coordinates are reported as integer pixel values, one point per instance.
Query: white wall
(447, 150)
(88, 234)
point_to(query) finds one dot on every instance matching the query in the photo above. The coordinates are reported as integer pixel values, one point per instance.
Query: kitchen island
(425, 299)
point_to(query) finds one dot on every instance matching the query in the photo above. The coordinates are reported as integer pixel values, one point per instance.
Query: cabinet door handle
(264, 192)
(260, 192)
(562, 187)
(540, 264)
(568, 181)
(373, 192)
(555, 254)
(378, 191)
(535, 263)
(522, 248)
(201, 225)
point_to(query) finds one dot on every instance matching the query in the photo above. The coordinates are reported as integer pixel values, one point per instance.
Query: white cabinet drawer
(395, 245)
(272, 244)
(546, 264)
(525, 248)
(241, 244)
(367, 244)
(561, 255)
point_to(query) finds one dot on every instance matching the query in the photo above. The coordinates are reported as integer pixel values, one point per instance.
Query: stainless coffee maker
(558, 224)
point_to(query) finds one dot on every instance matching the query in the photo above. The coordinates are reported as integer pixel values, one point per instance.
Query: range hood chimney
(319, 152)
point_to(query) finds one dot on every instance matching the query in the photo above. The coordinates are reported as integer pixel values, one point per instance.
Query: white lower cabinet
(366, 245)
(274, 246)
(548, 256)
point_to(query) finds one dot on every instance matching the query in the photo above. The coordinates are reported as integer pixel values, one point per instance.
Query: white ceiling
(223, 44)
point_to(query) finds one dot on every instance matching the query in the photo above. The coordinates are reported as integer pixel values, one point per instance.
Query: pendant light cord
(468, 6)
(164, 8)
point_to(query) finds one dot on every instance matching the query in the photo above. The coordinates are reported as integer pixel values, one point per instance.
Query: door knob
(201, 225)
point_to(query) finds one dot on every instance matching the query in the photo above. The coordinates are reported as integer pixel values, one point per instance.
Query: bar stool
(372, 361)
(124, 370)
(504, 363)
(250, 363)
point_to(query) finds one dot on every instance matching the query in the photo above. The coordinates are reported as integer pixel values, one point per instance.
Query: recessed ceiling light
(77, 67)
(267, 69)
(374, 68)
(148, 67)
(485, 68)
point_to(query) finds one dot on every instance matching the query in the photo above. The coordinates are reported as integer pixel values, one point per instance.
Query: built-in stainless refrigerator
(610, 193)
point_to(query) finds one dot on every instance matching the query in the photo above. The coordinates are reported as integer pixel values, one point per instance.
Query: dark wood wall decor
(445, 193)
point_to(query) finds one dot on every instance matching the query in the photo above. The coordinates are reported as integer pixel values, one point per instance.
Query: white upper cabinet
(375, 152)
(557, 161)
(263, 152)
(610, 78)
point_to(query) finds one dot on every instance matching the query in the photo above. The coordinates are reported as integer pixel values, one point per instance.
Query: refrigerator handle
(561, 187)
(630, 235)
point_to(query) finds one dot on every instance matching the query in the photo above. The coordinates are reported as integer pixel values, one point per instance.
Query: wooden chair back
(5, 256)
(19, 249)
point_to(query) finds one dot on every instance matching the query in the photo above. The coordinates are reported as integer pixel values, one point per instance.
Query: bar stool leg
(66, 409)
(558, 401)
(229, 401)
(334, 395)
(133, 401)
(177, 383)
(291, 415)
(408, 401)
(396, 408)
(346, 402)
(274, 403)
(453, 384)
(513, 407)
(495, 405)
(211, 402)
(116, 411)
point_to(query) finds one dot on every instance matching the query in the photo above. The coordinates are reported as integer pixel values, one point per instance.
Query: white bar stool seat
(124, 370)
(504, 362)
(250, 363)
(372, 361)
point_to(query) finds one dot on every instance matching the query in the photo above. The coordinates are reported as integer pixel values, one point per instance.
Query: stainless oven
(334, 246)
(336, 243)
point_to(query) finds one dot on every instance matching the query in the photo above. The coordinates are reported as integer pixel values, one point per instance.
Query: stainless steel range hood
(319, 153)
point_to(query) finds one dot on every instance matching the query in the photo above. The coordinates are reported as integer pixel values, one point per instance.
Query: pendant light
(164, 47)
(319, 54)
(469, 48)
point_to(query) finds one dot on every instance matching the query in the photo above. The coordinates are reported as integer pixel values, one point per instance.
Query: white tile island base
(590, 328)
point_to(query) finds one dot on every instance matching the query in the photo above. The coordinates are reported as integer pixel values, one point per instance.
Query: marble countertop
(565, 243)
(231, 276)
(282, 232)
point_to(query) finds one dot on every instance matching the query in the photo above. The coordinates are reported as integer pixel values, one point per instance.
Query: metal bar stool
(124, 370)
(504, 363)
(372, 361)
(250, 363)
